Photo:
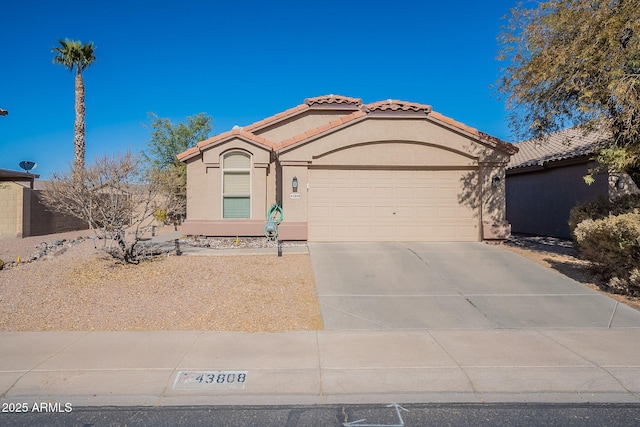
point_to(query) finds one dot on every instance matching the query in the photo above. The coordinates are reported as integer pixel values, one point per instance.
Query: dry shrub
(612, 244)
(602, 208)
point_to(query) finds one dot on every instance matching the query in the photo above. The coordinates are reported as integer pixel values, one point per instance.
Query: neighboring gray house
(545, 179)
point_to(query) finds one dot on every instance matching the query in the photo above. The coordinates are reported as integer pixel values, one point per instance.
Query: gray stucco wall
(539, 202)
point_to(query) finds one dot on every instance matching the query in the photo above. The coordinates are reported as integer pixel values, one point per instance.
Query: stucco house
(346, 171)
(545, 180)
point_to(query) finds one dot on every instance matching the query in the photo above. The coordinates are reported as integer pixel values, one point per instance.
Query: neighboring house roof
(9, 175)
(562, 145)
(340, 102)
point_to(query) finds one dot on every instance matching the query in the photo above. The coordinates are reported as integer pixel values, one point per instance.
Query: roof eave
(225, 137)
(473, 133)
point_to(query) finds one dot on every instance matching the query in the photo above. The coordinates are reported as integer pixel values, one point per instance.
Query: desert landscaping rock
(85, 289)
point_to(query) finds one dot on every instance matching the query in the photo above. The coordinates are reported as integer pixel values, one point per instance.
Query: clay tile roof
(322, 129)
(485, 137)
(280, 116)
(396, 105)
(561, 145)
(333, 99)
(225, 135)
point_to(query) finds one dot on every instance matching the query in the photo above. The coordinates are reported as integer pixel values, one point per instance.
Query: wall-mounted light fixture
(620, 183)
(294, 184)
(495, 181)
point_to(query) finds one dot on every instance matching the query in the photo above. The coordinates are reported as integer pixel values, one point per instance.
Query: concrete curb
(321, 367)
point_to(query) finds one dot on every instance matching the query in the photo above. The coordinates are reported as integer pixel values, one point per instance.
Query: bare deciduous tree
(114, 196)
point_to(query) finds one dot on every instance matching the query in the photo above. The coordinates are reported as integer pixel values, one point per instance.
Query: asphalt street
(565, 415)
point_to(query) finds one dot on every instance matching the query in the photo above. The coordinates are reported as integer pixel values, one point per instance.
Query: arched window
(236, 185)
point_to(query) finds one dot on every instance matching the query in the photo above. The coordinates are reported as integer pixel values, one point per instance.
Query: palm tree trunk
(79, 129)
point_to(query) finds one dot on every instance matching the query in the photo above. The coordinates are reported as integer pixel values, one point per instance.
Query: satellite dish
(27, 165)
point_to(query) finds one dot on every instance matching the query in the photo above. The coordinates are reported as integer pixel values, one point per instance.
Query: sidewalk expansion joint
(35, 368)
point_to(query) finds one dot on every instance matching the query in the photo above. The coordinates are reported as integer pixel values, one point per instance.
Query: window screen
(236, 185)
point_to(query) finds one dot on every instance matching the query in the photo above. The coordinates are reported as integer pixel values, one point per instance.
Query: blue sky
(238, 61)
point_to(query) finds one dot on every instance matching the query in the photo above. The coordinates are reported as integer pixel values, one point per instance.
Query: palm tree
(73, 54)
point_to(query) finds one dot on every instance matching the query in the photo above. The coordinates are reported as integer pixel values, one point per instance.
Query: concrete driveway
(452, 286)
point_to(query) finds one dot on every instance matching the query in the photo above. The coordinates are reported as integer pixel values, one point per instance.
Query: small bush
(602, 208)
(160, 215)
(612, 244)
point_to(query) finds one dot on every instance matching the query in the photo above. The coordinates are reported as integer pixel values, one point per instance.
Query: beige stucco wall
(10, 209)
(298, 125)
(204, 190)
(393, 142)
(415, 129)
(405, 140)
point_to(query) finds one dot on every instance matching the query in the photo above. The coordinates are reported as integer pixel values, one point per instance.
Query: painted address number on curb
(210, 380)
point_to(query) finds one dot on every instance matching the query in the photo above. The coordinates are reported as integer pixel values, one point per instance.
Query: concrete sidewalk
(318, 367)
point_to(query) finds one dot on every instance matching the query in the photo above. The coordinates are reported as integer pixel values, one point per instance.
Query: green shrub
(612, 244)
(601, 208)
(160, 215)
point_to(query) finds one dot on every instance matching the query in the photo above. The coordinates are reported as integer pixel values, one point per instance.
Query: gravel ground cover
(84, 289)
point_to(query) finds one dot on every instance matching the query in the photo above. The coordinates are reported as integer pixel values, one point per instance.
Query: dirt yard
(83, 289)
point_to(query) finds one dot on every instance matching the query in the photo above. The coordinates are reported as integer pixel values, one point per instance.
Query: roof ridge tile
(333, 99)
(396, 105)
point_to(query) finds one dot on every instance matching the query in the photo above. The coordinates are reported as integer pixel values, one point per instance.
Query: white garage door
(389, 205)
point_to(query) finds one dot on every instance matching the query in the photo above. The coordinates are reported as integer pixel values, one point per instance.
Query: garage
(390, 205)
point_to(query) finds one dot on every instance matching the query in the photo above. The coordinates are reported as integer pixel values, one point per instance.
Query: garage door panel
(361, 192)
(389, 205)
(446, 213)
(363, 233)
(363, 212)
(339, 193)
(405, 212)
(425, 212)
(319, 211)
(427, 193)
(381, 193)
(405, 193)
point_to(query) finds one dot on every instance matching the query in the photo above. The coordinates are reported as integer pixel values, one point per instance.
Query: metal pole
(178, 251)
(279, 247)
